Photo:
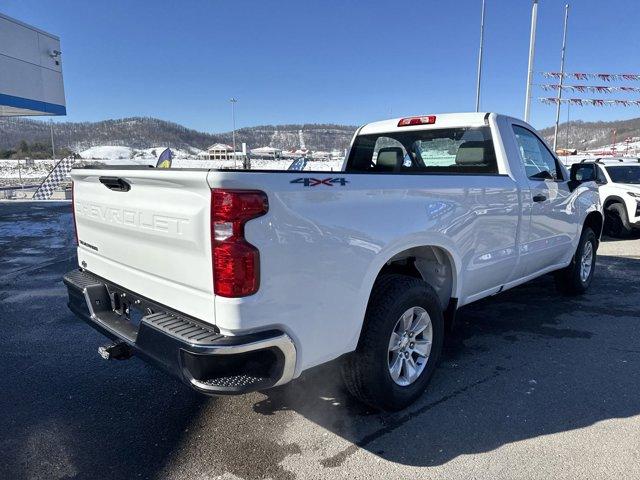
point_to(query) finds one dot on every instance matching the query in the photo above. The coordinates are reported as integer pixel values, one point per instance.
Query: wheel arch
(402, 259)
(594, 220)
(434, 264)
(611, 199)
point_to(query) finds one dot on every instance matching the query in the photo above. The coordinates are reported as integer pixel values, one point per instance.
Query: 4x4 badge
(313, 182)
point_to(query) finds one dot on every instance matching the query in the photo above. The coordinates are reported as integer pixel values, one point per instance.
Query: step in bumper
(185, 347)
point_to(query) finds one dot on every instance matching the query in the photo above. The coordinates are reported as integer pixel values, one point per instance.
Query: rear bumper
(193, 351)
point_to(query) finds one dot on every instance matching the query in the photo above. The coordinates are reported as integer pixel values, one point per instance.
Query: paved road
(533, 385)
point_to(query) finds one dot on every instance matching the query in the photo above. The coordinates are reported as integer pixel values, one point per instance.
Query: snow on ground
(312, 165)
(108, 152)
(115, 152)
(11, 171)
(619, 149)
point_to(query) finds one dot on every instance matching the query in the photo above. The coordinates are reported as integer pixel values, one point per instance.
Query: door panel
(551, 224)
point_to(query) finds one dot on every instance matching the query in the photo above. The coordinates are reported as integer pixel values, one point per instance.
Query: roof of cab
(443, 120)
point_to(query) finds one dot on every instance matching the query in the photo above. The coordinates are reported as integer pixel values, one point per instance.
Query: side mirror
(583, 172)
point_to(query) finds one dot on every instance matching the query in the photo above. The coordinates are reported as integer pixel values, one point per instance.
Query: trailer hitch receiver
(116, 351)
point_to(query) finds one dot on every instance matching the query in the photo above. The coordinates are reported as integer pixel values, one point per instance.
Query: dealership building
(30, 71)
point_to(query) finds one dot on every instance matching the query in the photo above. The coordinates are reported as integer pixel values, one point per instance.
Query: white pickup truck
(236, 281)
(618, 181)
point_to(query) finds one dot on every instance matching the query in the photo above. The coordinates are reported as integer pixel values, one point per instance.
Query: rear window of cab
(446, 150)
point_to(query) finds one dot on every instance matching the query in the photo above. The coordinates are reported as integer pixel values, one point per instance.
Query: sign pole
(480, 58)
(233, 120)
(532, 48)
(559, 98)
(53, 146)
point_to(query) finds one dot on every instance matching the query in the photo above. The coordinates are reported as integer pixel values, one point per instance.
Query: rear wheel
(617, 221)
(399, 346)
(576, 278)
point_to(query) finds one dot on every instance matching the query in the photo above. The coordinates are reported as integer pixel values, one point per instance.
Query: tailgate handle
(115, 183)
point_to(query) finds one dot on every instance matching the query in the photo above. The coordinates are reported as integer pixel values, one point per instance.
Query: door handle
(115, 183)
(539, 198)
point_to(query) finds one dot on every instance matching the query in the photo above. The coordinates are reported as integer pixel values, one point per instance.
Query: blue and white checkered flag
(59, 174)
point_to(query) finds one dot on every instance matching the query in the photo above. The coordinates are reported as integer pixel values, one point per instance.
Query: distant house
(218, 151)
(566, 151)
(320, 155)
(266, 152)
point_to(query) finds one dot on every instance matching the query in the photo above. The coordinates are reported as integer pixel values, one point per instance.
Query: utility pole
(568, 109)
(532, 49)
(480, 58)
(559, 97)
(233, 120)
(53, 146)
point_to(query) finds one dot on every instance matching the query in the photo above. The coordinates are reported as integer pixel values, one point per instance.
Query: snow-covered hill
(146, 133)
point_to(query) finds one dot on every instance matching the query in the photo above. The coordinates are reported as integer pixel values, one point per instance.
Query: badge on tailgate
(314, 182)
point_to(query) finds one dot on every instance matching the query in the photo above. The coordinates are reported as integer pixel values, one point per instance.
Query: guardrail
(19, 187)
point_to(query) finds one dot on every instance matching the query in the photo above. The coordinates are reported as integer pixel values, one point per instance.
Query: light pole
(532, 49)
(480, 59)
(233, 120)
(559, 98)
(53, 147)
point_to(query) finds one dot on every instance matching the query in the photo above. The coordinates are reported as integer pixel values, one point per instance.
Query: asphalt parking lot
(532, 385)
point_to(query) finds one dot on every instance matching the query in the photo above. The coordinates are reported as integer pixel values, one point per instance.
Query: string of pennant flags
(582, 88)
(596, 102)
(607, 77)
(589, 88)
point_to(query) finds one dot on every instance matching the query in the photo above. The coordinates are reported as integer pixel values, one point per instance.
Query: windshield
(462, 150)
(624, 173)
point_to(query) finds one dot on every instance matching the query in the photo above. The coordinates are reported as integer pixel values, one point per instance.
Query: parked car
(235, 281)
(619, 183)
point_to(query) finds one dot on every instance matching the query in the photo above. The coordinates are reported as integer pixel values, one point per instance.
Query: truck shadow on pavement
(520, 365)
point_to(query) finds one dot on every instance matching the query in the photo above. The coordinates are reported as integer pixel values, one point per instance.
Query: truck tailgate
(148, 230)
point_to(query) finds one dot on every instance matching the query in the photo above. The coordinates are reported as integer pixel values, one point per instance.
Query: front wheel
(576, 278)
(399, 346)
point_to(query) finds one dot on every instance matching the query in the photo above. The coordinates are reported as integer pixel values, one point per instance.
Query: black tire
(366, 370)
(569, 280)
(617, 221)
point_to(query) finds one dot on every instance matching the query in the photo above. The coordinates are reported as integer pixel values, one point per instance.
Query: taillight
(73, 210)
(424, 120)
(236, 263)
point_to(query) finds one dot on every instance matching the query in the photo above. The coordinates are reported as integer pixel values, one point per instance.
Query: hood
(630, 187)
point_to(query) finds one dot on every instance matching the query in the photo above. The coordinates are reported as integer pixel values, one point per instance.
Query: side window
(585, 171)
(539, 163)
(600, 178)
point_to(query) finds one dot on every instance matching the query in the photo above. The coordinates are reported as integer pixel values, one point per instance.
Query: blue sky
(330, 61)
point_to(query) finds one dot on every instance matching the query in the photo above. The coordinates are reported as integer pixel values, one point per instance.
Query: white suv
(618, 180)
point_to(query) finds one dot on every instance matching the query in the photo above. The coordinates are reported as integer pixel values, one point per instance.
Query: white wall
(30, 78)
